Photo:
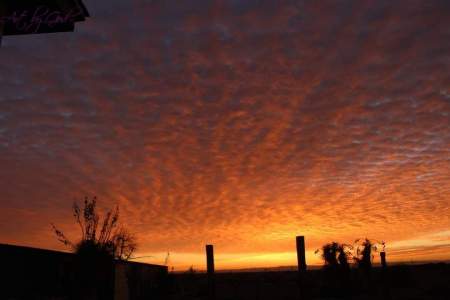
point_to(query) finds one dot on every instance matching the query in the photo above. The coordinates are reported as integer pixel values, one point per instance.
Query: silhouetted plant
(335, 255)
(112, 240)
(166, 260)
(329, 254)
(363, 256)
(383, 244)
(344, 253)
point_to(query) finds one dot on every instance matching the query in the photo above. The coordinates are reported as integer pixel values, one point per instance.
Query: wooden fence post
(301, 262)
(383, 259)
(210, 271)
(301, 258)
(384, 280)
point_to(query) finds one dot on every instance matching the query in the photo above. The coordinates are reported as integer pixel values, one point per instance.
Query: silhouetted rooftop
(40, 16)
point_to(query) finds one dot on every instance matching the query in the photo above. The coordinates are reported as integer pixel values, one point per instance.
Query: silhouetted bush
(101, 243)
(335, 255)
(112, 240)
(363, 256)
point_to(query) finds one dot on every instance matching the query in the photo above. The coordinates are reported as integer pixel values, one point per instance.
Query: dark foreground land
(429, 281)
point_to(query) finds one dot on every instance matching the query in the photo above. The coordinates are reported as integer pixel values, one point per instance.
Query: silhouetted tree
(335, 255)
(363, 256)
(111, 240)
(344, 253)
(329, 254)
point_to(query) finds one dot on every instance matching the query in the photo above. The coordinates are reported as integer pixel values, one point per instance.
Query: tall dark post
(210, 271)
(383, 259)
(301, 258)
(301, 261)
(384, 284)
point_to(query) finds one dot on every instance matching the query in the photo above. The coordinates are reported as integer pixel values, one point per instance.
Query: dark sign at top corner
(19, 17)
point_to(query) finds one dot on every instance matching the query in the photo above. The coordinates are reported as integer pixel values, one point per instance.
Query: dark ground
(429, 281)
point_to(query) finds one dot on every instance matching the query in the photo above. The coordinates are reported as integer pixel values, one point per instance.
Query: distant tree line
(337, 256)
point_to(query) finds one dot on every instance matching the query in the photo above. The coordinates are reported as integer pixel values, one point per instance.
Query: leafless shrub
(111, 240)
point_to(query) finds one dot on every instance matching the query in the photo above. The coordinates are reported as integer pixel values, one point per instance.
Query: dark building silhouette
(19, 17)
(30, 273)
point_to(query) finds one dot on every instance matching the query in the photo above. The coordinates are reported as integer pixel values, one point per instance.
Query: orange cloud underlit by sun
(235, 124)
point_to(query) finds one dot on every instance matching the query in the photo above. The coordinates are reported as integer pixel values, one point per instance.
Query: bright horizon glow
(416, 250)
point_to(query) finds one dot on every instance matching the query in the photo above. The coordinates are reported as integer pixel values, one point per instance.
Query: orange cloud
(237, 124)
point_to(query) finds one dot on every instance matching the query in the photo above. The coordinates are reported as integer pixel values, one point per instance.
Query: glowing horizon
(429, 248)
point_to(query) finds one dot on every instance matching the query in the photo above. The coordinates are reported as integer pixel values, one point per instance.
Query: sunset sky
(236, 123)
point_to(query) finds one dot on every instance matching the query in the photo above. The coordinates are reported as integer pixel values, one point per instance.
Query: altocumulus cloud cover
(237, 123)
